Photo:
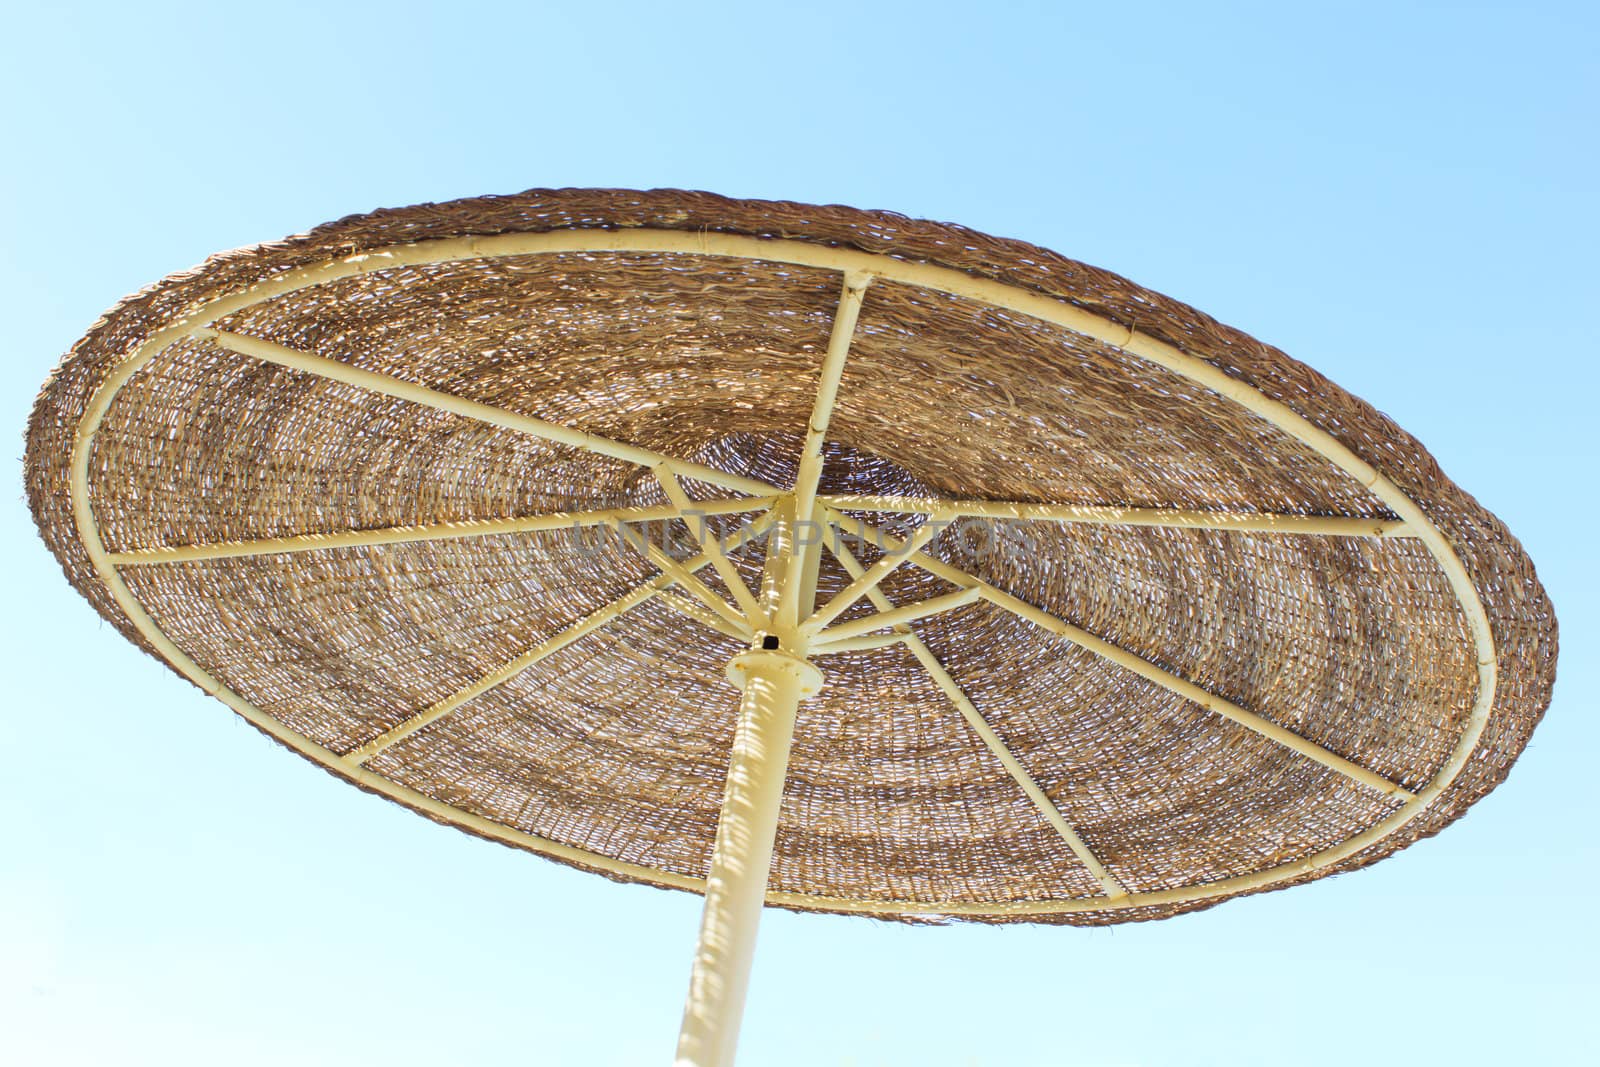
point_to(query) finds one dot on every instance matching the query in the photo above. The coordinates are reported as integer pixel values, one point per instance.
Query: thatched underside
(618, 745)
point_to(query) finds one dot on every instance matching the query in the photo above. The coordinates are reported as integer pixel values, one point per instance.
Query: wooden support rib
(709, 619)
(499, 676)
(394, 535)
(752, 531)
(865, 643)
(896, 616)
(685, 578)
(1247, 522)
(809, 473)
(332, 369)
(1047, 808)
(819, 529)
(969, 712)
(1150, 672)
(867, 582)
(694, 517)
(780, 546)
(583, 628)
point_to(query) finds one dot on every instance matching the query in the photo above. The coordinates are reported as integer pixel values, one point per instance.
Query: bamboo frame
(895, 616)
(813, 563)
(655, 587)
(395, 535)
(950, 510)
(333, 370)
(707, 539)
(807, 254)
(779, 544)
(865, 643)
(1147, 670)
(709, 619)
(499, 676)
(687, 580)
(809, 474)
(867, 581)
(963, 704)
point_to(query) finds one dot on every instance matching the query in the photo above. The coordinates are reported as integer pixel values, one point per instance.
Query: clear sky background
(1402, 196)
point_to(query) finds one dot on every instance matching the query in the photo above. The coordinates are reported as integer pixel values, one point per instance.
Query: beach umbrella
(798, 556)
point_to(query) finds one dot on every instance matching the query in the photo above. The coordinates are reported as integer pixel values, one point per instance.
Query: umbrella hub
(764, 666)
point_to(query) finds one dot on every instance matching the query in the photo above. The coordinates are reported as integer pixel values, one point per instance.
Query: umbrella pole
(773, 684)
(773, 678)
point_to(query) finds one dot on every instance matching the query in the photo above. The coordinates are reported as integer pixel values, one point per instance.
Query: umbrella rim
(991, 292)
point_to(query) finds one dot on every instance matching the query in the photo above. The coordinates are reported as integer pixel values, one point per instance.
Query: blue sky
(1400, 195)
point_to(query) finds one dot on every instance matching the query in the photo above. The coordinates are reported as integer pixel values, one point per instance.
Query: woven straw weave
(618, 745)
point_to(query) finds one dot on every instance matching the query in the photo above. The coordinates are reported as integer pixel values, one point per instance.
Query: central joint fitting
(761, 663)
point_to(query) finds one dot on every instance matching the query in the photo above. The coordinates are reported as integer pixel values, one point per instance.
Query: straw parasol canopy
(1094, 609)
